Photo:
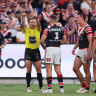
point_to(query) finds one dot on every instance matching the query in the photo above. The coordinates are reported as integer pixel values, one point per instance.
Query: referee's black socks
(40, 80)
(28, 79)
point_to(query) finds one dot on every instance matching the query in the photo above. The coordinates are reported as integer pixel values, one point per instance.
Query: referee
(32, 44)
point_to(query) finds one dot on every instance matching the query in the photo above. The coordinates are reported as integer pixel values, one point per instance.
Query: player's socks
(39, 77)
(28, 78)
(49, 82)
(87, 88)
(60, 80)
(83, 85)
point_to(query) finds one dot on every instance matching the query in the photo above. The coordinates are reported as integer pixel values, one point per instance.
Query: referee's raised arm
(23, 20)
(37, 20)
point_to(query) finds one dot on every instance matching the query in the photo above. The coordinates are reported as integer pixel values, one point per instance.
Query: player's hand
(73, 52)
(94, 57)
(35, 13)
(87, 57)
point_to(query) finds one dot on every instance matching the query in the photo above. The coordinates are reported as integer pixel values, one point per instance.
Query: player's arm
(42, 41)
(89, 36)
(37, 19)
(75, 47)
(94, 48)
(23, 21)
(44, 36)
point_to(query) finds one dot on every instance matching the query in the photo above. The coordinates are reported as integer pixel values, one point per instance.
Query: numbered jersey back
(54, 36)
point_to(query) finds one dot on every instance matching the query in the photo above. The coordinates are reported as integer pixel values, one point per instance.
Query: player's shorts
(32, 55)
(82, 53)
(53, 55)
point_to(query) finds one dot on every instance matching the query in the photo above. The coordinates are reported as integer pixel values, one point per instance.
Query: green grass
(20, 90)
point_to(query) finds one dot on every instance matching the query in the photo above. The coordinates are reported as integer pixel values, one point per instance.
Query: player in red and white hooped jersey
(84, 56)
(3, 7)
(44, 16)
(94, 58)
(55, 36)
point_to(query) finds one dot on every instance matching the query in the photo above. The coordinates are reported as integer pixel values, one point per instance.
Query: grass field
(20, 90)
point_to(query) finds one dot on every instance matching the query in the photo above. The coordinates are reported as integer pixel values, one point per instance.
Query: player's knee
(75, 69)
(87, 71)
(38, 70)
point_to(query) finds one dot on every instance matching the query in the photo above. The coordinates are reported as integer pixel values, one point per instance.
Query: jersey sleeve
(88, 30)
(46, 32)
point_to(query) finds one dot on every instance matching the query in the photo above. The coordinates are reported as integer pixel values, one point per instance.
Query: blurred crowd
(11, 18)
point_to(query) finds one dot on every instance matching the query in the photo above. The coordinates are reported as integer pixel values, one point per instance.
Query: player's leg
(28, 61)
(37, 65)
(94, 73)
(76, 69)
(28, 74)
(57, 67)
(49, 61)
(49, 76)
(86, 67)
(59, 76)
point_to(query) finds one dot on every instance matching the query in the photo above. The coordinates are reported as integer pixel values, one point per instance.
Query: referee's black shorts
(32, 55)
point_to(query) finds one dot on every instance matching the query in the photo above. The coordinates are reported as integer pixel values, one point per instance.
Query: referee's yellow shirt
(32, 38)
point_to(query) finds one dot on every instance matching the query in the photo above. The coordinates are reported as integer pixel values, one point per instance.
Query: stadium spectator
(2, 42)
(70, 29)
(3, 9)
(54, 7)
(26, 5)
(68, 12)
(2, 6)
(6, 32)
(43, 3)
(13, 25)
(92, 16)
(85, 6)
(76, 4)
(13, 4)
(20, 38)
(44, 16)
(61, 3)
(18, 16)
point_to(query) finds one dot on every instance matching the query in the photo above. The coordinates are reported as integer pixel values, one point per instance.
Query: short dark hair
(54, 17)
(82, 15)
(32, 18)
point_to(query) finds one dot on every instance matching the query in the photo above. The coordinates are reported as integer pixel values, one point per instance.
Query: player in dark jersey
(94, 57)
(2, 42)
(55, 37)
(84, 54)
